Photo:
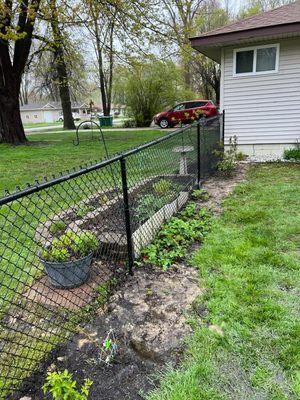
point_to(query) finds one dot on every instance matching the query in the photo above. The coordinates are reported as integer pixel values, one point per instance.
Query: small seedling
(149, 292)
(108, 349)
(60, 385)
(103, 200)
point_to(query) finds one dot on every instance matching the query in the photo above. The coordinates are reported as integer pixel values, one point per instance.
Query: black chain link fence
(64, 241)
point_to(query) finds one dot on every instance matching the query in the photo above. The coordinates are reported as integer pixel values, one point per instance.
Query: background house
(260, 83)
(49, 112)
(116, 109)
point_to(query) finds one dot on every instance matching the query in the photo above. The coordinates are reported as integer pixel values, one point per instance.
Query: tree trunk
(64, 90)
(187, 75)
(11, 127)
(62, 72)
(106, 112)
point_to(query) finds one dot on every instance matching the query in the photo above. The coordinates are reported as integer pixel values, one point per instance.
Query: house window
(35, 116)
(256, 60)
(27, 116)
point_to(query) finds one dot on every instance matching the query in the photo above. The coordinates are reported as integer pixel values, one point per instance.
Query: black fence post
(198, 155)
(127, 216)
(223, 127)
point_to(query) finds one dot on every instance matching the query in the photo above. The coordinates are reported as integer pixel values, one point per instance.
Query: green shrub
(228, 159)
(61, 386)
(129, 123)
(69, 245)
(162, 187)
(292, 154)
(57, 227)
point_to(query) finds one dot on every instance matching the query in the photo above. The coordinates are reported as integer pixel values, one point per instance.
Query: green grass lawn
(249, 267)
(51, 153)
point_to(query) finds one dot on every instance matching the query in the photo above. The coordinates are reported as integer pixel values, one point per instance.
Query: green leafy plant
(228, 159)
(176, 235)
(83, 210)
(200, 194)
(148, 205)
(162, 187)
(57, 227)
(61, 386)
(71, 245)
(292, 154)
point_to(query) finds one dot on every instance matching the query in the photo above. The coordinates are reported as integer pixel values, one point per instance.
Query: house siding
(263, 109)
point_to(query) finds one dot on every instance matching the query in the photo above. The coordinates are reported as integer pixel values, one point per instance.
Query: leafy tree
(151, 87)
(254, 7)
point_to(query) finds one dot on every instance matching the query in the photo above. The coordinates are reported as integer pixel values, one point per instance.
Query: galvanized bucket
(70, 274)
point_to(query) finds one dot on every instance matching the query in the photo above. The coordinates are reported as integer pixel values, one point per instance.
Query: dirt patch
(220, 187)
(147, 317)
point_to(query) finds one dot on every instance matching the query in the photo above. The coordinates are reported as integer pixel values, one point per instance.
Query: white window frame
(255, 48)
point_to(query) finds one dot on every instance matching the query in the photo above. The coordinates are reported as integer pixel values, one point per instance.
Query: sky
(234, 5)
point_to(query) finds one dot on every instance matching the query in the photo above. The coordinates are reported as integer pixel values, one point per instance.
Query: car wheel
(164, 123)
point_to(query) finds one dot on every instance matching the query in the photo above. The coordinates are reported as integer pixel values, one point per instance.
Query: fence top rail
(39, 186)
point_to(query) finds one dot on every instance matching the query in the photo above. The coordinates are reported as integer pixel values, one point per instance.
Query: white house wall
(264, 109)
(32, 116)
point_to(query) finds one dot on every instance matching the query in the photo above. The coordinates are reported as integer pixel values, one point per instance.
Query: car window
(178, 107)
(195, 104)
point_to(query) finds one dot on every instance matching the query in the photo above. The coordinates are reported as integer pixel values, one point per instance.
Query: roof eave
(211, 45)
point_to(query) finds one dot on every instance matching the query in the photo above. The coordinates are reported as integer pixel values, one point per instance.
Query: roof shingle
(287, 14)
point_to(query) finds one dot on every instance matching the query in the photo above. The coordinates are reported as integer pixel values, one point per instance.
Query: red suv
(186, 112)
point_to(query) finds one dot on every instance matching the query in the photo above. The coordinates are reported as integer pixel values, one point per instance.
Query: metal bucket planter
(70, 274)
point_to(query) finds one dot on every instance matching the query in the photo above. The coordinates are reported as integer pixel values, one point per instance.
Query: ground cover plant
(292, 154)
(173, 240)
(246, 342)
